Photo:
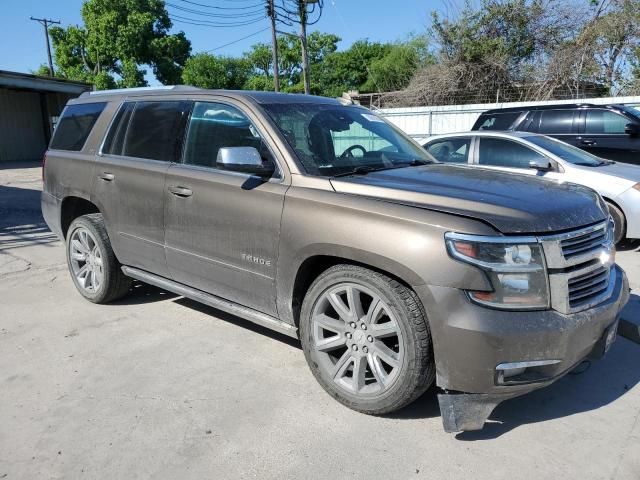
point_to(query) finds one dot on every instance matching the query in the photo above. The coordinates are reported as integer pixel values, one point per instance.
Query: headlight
(515, 268)
(637, 186)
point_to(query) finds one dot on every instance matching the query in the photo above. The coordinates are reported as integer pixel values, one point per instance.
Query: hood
(511, 203)
(620, 170)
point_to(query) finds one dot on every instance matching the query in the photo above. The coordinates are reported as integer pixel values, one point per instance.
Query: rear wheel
(366, 339)
(94, 269)
(619, 222)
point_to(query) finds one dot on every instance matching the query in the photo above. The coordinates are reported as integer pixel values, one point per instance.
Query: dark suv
(324, 222)
(607, 131)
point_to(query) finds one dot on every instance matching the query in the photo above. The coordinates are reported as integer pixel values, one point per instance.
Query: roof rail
(138, 90)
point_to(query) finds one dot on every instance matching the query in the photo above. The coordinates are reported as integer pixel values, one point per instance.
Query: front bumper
(470, 341)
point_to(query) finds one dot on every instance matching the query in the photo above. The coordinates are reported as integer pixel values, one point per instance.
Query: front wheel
(366, 339)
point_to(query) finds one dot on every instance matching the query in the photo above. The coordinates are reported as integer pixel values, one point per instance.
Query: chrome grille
(584, 243)
(580, 264)
(583, 288)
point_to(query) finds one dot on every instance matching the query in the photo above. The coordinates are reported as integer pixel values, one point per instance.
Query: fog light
(519, 372)
(512, 372)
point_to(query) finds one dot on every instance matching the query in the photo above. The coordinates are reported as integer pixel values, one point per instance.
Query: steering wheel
(348, 153)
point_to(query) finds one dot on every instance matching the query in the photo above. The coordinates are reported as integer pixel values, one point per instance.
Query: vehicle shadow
(141, 293)
(590, 386)
(21, 222)
(238, 321)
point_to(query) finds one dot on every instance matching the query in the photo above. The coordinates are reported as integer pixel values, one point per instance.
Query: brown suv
(322, 221)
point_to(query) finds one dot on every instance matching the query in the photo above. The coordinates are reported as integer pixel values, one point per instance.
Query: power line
(238, 40)
(259, 11)
(215, 7)
(207, 23)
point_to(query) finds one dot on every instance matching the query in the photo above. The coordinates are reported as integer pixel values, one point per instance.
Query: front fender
(404, 241)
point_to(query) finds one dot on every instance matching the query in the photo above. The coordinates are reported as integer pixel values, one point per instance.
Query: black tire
(114, 284)
(619, 221)
(417, 369)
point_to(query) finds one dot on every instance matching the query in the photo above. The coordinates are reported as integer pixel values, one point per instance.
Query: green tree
(397, 67)
(119, 37)
(348, 69)
(209, 71)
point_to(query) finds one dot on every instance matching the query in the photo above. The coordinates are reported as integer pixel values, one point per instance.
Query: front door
(130, 172)
(222, 228)
(508, 155)
(604, 136)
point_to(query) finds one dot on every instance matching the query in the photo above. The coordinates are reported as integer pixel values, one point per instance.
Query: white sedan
(617, 183)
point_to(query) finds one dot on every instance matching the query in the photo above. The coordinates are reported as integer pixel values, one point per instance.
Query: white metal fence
(422, 122)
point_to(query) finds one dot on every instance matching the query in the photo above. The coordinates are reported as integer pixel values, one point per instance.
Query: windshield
(566, 152)
(334, 139)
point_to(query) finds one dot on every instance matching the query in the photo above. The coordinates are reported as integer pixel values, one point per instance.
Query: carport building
(29, 109)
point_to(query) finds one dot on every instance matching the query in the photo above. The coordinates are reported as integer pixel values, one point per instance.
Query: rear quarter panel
(70, 174)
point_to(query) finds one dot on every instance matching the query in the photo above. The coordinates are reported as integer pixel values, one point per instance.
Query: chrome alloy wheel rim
(86, 260)
(357, 339)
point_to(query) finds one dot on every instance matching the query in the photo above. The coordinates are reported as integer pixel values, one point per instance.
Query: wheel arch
(312, 265)
(73, 207)
(624, 215)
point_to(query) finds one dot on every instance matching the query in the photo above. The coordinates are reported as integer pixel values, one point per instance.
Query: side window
(603, 121)
(497, 121)
(452, 150)
(114, 142)
(75, 125)
(154, 131)
(505, 153)
(216, 125)
(556, 121)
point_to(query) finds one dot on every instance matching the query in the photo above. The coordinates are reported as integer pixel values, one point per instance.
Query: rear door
(604, 136)
(508, 155)
(223, 227)
(562, 124)
(142, 141)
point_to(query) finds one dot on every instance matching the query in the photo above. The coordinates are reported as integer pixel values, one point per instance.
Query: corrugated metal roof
(27, 81)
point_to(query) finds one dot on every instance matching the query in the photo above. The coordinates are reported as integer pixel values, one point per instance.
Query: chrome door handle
(107, 177)
(588, 142)
(181, 191)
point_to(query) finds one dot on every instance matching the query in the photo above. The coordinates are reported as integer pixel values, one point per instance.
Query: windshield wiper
(418, 162)
(362, 170)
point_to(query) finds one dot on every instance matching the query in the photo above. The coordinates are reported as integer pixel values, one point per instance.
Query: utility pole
(271, 12)
(302, 11)
(45, 23)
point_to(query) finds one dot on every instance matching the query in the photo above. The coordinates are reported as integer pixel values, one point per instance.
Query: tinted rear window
(496, 121)
(556, 121)
(115, 138)
(75, 126)
(154, 131)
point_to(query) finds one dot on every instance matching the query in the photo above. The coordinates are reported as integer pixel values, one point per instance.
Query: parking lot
(160, 386)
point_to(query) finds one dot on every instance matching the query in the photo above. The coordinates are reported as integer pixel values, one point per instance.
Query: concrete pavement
(157, 386)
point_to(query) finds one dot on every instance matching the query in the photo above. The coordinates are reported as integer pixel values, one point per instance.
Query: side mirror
(632, 129)
(541, 165)
(243, 160)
